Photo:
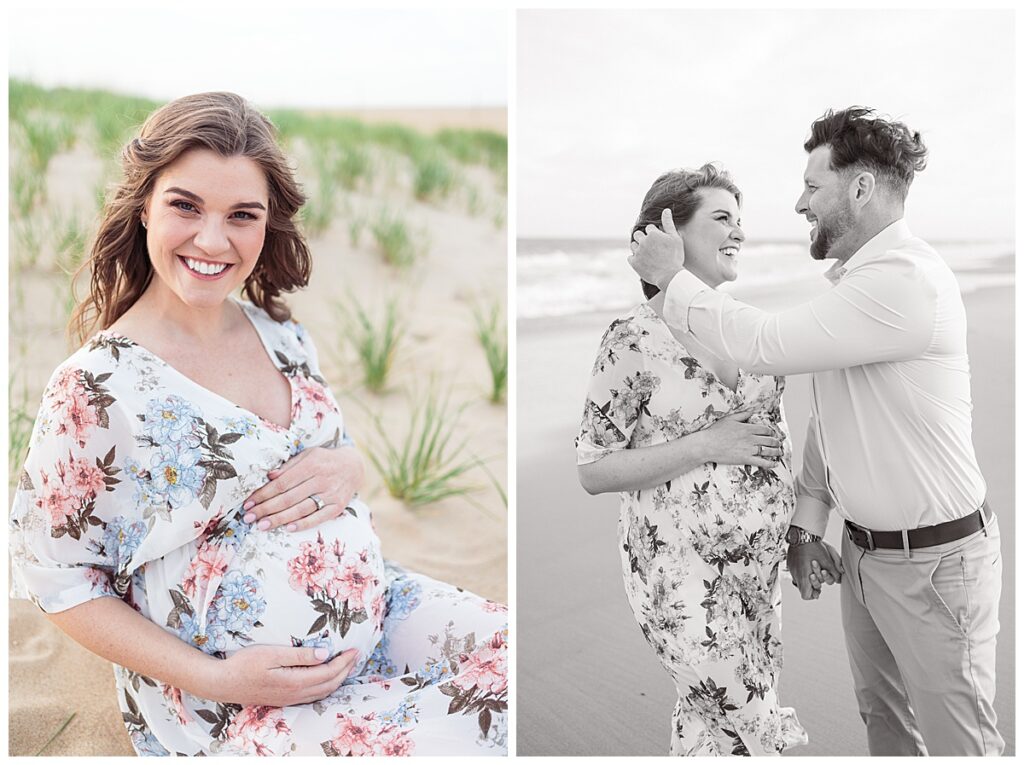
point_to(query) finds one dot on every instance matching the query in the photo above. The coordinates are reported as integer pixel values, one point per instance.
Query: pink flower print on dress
(99, 580)
(486, 668)
(211, 562)
(314, 394)
(65, 385)
(395, 742)
(253, 726)
(76, 417)
(86, 477)
(173, 696)
(310, 571)
(377, 609)
(492, 607)
(57, 499)
(356, 736)
(352, 582)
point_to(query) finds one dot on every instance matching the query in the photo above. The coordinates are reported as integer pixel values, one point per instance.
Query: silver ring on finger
(318, 501)
(760, 450)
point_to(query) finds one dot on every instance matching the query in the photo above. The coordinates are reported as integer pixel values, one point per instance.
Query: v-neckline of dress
(266, 349)
(667, 330)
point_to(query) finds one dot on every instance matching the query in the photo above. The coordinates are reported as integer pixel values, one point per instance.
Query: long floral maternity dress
(700, 553)
(133, 489)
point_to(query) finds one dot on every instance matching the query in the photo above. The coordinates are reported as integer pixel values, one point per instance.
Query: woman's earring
(143, 224)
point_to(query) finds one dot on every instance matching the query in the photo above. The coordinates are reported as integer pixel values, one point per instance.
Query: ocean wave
(563, 278)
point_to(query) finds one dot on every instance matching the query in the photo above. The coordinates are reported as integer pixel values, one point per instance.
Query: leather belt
(926, 536)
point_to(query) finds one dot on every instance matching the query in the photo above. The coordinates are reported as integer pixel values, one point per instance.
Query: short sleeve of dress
(65, 535)
(620, 388)
(313, 360)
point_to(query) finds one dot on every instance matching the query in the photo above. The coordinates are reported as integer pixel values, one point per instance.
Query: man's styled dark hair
(860, 138)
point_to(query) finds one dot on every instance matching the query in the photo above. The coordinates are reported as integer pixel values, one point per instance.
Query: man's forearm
(863, 321)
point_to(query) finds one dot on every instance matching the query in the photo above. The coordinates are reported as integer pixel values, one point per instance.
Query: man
(888, 442)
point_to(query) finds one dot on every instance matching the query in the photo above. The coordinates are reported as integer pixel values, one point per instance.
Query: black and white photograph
(765, 382)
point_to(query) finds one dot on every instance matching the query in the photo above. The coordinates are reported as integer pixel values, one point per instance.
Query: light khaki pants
(921, 633)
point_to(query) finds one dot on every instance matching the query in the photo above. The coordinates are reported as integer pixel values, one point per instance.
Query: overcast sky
(607, 100)
(306, 57)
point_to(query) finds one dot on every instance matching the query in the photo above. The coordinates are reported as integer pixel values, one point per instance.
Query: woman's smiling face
(712, 237)
(206, 220)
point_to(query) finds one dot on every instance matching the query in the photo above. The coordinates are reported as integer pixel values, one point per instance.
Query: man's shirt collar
(889, 237)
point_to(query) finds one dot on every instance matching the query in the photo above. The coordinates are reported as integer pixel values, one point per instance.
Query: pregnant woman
(187, 509)
(700, 454)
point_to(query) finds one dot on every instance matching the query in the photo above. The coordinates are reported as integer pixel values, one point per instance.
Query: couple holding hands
(684, 418)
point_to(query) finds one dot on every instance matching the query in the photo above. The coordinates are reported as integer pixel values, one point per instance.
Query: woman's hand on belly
(275, 676)
(734, 441)
(334, 475)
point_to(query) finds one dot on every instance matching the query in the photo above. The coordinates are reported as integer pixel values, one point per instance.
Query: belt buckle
(853, 528)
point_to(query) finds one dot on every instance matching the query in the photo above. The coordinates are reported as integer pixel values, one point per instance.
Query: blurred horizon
(308, 59)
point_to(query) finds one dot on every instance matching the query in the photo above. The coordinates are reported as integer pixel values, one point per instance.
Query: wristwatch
(799, 536)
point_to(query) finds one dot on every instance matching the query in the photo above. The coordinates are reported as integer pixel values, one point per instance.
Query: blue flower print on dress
(380, 662)
(172, 421)
(147, 745)
(246, 426)
(121, 538)
(436, 671)
(239, 603)
(210, 640)
(403, 597)
(404, 715)
(177, 475)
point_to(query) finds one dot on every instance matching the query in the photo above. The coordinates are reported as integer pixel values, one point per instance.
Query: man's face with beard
(825, 203)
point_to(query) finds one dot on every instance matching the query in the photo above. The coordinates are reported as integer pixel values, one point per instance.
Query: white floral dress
(700, 553)
(133, 489)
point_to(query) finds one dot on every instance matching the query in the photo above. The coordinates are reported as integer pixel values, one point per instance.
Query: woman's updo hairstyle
(679, 190)
(118, 263)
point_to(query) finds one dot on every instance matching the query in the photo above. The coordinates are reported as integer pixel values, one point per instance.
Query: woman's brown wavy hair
(680, 190)
(118, 264)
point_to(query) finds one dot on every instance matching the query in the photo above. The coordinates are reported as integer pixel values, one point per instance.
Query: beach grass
(493, 337)
(28, 244)
(394, 239)
(43, 136)
(20, 423)
(70, 240)
(27, 189)
(433, 178)
(375, 340)
(353, 164)
(356, 227)
(424, 466)
(318, 212)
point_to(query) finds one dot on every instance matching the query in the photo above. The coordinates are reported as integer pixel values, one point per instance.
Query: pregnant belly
(318, 587)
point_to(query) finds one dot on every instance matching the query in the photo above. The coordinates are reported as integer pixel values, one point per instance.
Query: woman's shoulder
(265, 321)
(98, 357)
(630, 330)
(287, 338)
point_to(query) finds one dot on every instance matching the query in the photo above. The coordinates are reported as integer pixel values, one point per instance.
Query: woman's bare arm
(730, 441)
(268, 675)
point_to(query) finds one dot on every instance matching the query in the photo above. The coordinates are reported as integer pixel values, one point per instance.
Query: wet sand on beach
(587, 682)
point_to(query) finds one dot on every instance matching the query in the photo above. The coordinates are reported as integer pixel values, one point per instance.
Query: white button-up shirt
(889, 437)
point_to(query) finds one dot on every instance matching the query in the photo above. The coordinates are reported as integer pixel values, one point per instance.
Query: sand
(455, 540)
(587, 683)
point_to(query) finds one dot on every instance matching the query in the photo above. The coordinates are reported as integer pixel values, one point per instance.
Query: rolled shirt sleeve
(813, 500)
